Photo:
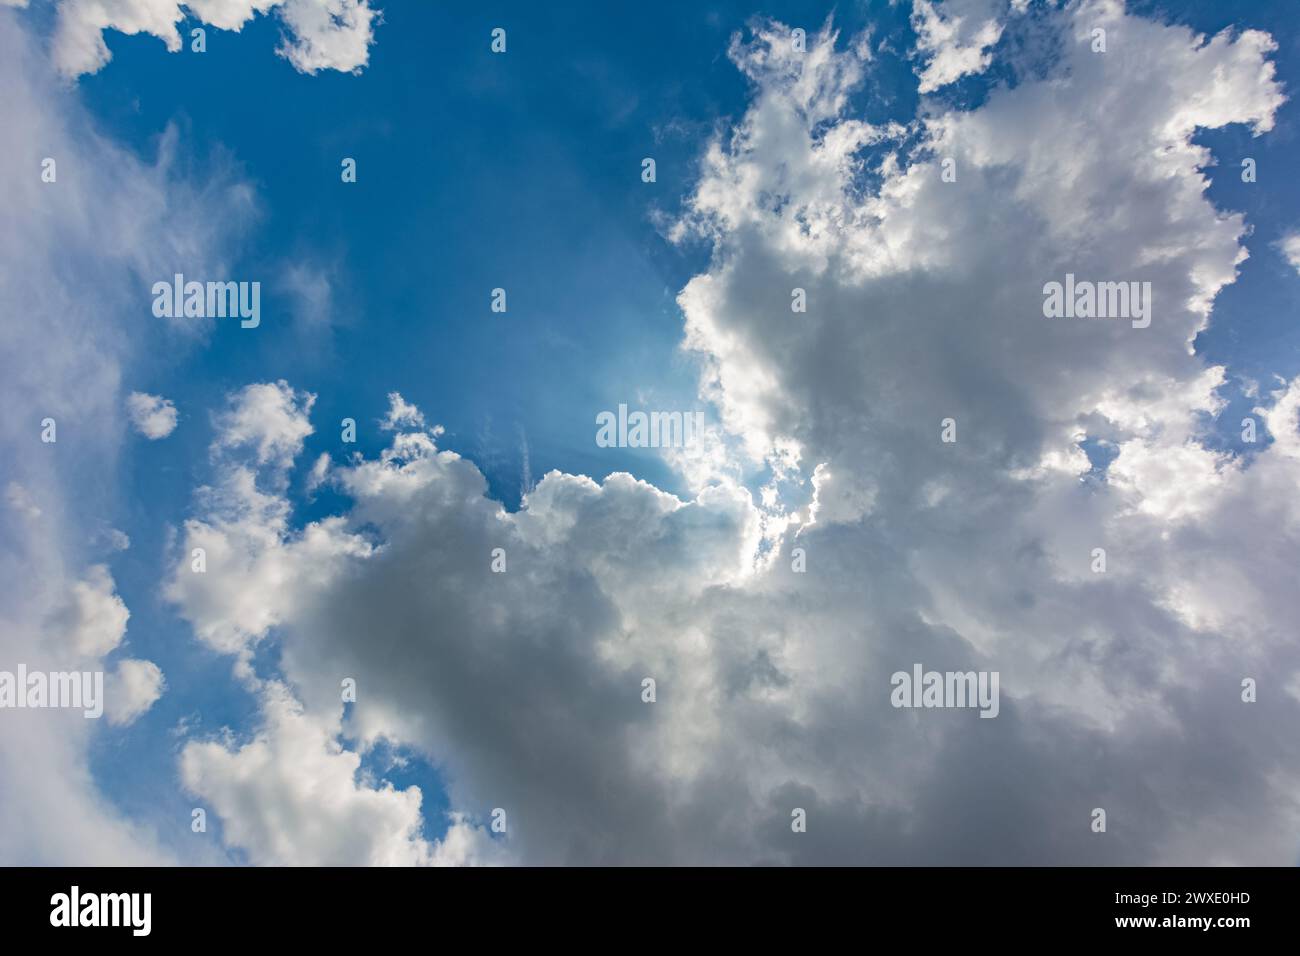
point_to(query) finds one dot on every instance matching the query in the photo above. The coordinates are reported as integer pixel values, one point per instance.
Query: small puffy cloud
(270, 419)
(328, 34)
(91, 619)
(954, 38)
(116, 539)
(131, 690)
(1290, 246)
(153, 416)
(401, 414)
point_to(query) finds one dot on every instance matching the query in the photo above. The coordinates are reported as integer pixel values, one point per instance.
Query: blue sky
(520, 171)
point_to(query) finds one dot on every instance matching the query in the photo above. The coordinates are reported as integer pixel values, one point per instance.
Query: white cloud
(90, 624)
(1290, 246)
(321, 34)
(242, 594)
(328, 34)
(131, 690)
(266, 417)
(291, 797)
(954, 38)
(401, 414)
(92, 619)
(116, 540)
(153, 416)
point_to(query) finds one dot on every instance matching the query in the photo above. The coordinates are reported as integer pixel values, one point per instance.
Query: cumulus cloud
(320, 34)
(328, 34)
(92, 619)
(401, 414)
(131, 690)
(265, 417)
(1290, 246)
(294, 770)
(1120, 689)
(85, 628)
(953, 38)
(153, 416)
(291, 796)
